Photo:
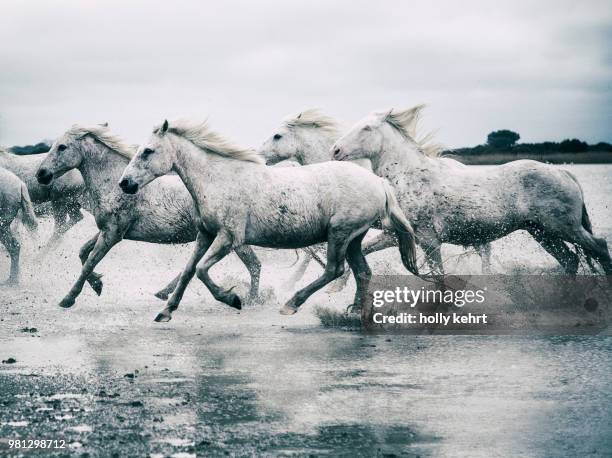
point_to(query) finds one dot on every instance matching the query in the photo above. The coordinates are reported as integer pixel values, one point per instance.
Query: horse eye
(367, 128)
(147, 152)
(61, 147)
(277, 136)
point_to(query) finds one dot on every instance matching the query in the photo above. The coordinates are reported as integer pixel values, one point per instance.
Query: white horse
(14, 197)
(304, 139)
(451, 203)
(241, 201)
(164, 213)
(65, 196)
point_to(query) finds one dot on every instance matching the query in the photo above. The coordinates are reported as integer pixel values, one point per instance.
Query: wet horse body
(66, 196)
(451, 203)
(14, 198)
(164, 213)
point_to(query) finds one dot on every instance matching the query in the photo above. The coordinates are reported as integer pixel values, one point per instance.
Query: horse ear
(104, 124)
(300, 115)
(164, 127)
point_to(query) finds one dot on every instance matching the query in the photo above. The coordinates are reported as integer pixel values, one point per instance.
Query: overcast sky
(542, 68)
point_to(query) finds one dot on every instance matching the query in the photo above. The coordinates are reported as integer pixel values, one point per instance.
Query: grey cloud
(543, 68)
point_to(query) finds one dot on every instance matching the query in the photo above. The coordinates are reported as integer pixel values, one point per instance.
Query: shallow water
(105, 378)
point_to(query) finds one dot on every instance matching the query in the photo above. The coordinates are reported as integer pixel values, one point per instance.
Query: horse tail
(28, 218)
(586, 221)
(405, 234)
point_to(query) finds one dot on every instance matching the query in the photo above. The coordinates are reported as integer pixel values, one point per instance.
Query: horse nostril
(44, 176)
(128, 186)
(336, 153)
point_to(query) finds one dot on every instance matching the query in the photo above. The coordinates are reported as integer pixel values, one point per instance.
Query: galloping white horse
(164, 213)
(304, 139)
(14, 197)
(450, 203)
(241, 201)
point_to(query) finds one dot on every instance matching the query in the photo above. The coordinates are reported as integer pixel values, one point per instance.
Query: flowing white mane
(312, 118)
(406, 122)
(103, 134)
(200, 135)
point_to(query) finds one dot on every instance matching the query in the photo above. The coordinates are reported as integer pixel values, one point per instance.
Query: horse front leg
(202, 244)
(62, 222)
(105, 241)
(381, 242)
(220, 247)
(95, 279)
(336, 252)
(253, 265)
(300, 271)
(167, 290)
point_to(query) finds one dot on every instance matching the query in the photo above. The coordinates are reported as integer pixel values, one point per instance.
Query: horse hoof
(161, 295)
(163, 317)
(97, 287)
(235, 302)
(66, 303)
(288, 310)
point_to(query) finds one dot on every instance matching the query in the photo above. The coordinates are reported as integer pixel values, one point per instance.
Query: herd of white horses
(187, 183)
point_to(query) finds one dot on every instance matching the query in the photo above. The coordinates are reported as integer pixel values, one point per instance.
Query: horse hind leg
(593, 247)
(360, 268)
(382, 241)
(559, 250)
(484, 251)
(14, 248)
(337, 244)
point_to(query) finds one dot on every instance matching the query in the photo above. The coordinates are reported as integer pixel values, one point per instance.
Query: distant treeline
(501, 147)
(41, 147)
(566, 146)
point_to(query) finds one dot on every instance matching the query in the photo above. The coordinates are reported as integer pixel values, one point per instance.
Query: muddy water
(108, 380)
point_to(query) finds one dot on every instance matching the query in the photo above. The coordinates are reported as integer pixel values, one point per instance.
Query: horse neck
(202, 173)
(101, 169)
(316, 146)
(189, 164)
(399, 156)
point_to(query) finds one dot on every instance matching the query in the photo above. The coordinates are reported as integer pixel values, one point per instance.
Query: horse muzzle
(44, 176)
(128, 186)
(339, 155)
